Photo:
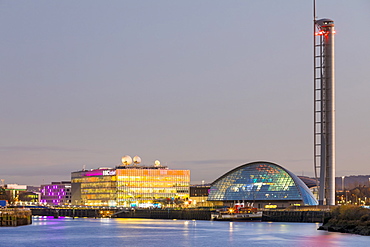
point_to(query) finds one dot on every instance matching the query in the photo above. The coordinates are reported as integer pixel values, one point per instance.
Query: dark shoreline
(348, 219)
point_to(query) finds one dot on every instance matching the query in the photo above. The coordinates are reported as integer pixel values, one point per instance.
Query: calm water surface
(47, 231)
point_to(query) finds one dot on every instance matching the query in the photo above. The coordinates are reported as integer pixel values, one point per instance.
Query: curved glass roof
(260, 181)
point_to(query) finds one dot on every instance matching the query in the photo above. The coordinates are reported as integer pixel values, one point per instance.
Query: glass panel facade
(97, 187)
(151, 185)
(260, 181)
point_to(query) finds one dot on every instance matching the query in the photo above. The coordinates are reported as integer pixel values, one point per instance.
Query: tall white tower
(324, 110)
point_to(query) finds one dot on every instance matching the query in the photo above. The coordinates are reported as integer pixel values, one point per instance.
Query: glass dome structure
(260, 181)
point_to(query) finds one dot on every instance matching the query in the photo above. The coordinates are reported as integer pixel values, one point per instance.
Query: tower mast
(324, 109)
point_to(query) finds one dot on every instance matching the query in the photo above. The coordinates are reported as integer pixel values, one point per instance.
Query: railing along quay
(15, 217)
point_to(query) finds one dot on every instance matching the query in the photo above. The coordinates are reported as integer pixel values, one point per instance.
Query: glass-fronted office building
(130, 186)
(96, 187)
(264, 184)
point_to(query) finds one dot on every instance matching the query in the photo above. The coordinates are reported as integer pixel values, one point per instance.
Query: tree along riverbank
(348, 219)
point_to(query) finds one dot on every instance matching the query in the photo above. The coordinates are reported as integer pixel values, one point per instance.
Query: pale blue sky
(199, 85)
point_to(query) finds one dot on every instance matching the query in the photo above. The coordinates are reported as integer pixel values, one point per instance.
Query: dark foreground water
(47, 231)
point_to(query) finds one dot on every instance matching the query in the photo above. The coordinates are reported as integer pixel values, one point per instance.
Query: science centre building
(263, 184)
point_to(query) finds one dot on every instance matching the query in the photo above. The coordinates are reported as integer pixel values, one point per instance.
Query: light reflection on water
(47, 231)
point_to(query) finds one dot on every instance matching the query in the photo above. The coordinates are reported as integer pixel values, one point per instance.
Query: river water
(47, 231)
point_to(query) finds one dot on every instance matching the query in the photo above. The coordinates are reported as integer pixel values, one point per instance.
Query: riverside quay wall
(295, 216)
(15, 217)
(181, 214)
(185, 214)
(73, 212)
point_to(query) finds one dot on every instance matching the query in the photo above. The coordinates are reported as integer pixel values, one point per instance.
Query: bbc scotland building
(130, 185)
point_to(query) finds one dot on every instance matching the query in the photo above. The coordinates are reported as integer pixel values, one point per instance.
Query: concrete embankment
(276, 216)
(185, 214)
(192, 214)
(126, 213)
(295, 216)
(73, 212)
(15, 217)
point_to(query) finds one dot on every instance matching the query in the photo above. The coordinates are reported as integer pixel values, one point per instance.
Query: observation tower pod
(324, 110)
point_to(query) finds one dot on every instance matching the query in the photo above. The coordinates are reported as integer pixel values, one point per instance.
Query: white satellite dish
(126, 160)
(157, 163)
(137, 160)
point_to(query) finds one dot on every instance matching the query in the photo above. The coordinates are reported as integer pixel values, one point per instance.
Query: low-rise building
(56, 193)
(11, 192)
(199, 194)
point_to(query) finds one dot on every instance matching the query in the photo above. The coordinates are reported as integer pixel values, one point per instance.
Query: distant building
(130, 186)
(56, 193)
(311, 184)
(11, 192)
(33, 188)
(352, 181)
(29, 197)
(263, 184)
(199, 194)
(199, 190)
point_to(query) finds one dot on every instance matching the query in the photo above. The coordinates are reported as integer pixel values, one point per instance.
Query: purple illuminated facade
(56, 193)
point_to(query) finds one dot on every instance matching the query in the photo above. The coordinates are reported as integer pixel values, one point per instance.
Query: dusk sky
(200, 85)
